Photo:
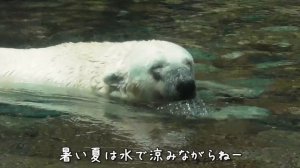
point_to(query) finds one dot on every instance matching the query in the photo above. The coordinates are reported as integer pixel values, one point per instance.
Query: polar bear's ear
(115, 79)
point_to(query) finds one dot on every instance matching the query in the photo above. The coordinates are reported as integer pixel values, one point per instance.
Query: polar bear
(147, 71)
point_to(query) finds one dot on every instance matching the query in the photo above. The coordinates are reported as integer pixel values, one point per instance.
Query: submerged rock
(27, 111)
(272, 46)
(295, 111)
(205, 68)
(173, 1)
(232, 91)
(251, 58)
(233, 55)
(281, 28)
(239, 112)
(273, 64)
(200, 55)
(250, 83)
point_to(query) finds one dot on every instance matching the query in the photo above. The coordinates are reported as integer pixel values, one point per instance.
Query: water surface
(247, 63)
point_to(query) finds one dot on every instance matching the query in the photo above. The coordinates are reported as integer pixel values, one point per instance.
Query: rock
(205, 68)
(122, 13)
(253, 18)
(200, 55)
(252, 57)
(233, 55)
(281, 28)
(271, 46)
(26, 111)
(139, 1)
(250, 83)
(295, 111)
(239, 112)
(273, 64)
(207, 95)
(232, 91)
(174, 1)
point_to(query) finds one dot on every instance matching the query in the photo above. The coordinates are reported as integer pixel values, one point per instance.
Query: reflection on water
(247, 66)
(41, 102)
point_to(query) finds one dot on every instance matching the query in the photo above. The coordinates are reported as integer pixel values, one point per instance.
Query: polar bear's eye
(156, 76)
(156, 66)
(154, 71)
(188, 63)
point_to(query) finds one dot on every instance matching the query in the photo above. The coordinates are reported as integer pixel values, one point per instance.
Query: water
(247, 63)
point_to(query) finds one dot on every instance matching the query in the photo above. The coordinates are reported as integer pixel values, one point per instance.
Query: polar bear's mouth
(181, 90)
(186, 89)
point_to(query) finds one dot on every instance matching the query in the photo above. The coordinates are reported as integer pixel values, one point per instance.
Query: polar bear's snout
(186, 89)
(180, 83)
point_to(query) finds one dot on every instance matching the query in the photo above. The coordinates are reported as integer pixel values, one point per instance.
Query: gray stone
(281, 28)
(272, 46)
(199, 55)
(239, 112)
(230, 90)
(250, 83)
(233, 55)
(207, 95)
(174, 1)
(205, 68)
(273, 64)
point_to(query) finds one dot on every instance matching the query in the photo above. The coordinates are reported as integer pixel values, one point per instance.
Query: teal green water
(248, 83)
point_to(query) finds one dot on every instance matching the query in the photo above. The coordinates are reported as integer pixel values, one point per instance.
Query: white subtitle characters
(156, 155)
(171, 156)
(66, 155)
(96, 152)
(141, 154)
(126, 155)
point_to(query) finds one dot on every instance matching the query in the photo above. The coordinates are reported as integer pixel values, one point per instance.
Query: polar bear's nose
(186, 89)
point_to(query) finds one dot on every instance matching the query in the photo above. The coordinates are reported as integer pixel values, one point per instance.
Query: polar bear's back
(63, 64)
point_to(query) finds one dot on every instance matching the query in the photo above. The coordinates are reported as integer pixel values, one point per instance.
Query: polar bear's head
(154, 71)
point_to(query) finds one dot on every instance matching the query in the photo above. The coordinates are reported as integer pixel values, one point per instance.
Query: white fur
(114, 69)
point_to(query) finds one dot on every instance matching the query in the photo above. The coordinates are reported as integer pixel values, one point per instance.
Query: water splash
(195, 108)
